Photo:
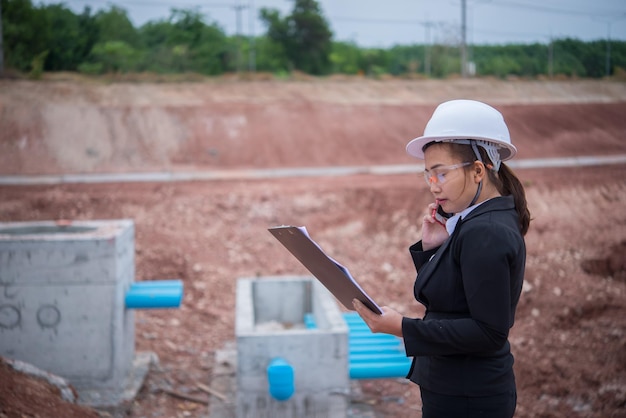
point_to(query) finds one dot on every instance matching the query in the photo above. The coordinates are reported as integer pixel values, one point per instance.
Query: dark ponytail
(504, 179)
(508, 184)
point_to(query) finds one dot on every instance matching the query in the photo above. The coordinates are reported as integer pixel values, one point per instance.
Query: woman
(470, 266)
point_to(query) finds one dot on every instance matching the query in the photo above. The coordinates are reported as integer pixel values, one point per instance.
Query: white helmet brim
(463, 120)
(415, 147)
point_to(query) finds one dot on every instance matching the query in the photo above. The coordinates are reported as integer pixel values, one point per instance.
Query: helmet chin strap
(480, 184)
(480, 187)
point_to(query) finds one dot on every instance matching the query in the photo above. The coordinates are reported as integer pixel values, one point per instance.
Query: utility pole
(609, 22)
(1, 44)
(428, 25)
(551, 58)
(238, 8)
(463, 38)
(252, 52)
(608, 48)
(607, 63)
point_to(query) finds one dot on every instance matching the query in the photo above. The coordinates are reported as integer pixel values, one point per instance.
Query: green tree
(617, 56)
(445, 60)
(184, 43)
(502, 65)
(206, 43)
(278, 45)
(158, 55)
(345, 58)
(374, 62)
(567, 58)
(69, 37)
(590, 54)
(404, 59)
(270, 56)
(115, 56)
(114, 25)
(187, 27)
(304, 35)
(118, 44)
(51, 36)
(22, 41)
(89, 30)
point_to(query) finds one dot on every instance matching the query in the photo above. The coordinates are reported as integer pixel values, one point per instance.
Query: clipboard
(335, 277)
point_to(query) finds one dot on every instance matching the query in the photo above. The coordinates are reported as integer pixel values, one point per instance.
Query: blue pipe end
(280, 377)
(309, 321)
(154, 294)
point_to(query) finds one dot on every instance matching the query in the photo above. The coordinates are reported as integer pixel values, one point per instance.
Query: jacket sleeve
(419, 256)
(485, 252)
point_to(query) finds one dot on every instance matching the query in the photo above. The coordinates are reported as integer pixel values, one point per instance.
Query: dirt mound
(33, 394)
(63, 127)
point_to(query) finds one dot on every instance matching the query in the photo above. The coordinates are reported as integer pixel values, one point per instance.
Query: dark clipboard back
(335, 277)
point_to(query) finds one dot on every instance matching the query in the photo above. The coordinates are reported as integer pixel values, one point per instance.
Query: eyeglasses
(438, 175)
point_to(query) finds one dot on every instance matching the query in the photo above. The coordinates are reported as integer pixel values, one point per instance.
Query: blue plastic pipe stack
(371, 356)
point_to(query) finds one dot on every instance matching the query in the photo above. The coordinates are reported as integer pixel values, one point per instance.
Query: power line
(516, 34)
(464, 38)
(151, 3)
(432, 24)
(550, 9)
(376, 21)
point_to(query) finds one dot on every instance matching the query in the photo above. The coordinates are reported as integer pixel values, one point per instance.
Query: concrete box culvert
(62, 291)
(270, 314)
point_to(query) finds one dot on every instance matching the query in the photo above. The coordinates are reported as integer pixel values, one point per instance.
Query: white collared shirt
(451, 222)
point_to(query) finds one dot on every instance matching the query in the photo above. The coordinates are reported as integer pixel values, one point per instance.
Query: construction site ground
(569, 339)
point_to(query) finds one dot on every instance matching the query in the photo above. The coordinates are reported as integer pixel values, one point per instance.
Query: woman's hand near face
(433, 233)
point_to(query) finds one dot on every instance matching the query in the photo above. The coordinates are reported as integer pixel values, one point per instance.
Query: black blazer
(470, 287)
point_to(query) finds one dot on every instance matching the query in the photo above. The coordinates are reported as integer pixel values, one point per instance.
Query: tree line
(54, 38)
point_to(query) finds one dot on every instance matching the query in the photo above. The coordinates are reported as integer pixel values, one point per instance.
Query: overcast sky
(384, 23)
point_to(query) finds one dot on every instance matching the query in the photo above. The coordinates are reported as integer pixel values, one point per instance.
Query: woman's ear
(479, 171)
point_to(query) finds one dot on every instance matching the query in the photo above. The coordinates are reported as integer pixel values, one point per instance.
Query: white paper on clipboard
(335, 277)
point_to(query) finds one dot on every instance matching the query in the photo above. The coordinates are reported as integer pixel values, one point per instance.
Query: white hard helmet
(462, 120)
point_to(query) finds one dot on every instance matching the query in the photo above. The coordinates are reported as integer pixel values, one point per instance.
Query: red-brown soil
(22, 395)
(570, 335)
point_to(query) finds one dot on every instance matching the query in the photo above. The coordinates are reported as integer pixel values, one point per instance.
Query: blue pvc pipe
(373, 356)
(358, 326)
(368, 334)
(374, 349)
(280, 379)
(309, 321)
(379, 370)
(352, 317)
(154, 294)
(381, 341)
(354, 322)
(173, 283)
(387, 357)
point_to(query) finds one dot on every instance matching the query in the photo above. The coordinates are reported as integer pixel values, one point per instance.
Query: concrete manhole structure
(285, 369)
(66, 296)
